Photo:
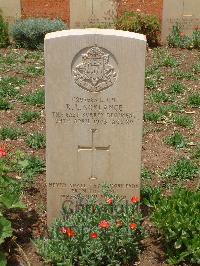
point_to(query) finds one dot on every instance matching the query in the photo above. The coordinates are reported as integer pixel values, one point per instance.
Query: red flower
(104, 224)
(70, 233)
(134, 200)
(133, 226)
(93, 235)
(2, 153)
(109, 201)
(67, 231)
(182, 34)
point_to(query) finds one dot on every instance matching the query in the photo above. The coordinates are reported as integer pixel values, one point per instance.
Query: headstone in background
(11, 9)
(185, 12)
(94, 111)
(89, 13)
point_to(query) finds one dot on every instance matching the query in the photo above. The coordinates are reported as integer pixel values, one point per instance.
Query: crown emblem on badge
(94, 73)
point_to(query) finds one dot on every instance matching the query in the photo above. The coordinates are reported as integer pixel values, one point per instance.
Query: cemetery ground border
(155, 157)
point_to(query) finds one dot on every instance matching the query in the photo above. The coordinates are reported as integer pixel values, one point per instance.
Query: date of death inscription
(94, 111)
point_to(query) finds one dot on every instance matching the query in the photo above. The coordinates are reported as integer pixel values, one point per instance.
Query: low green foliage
(182, 169)
(146, 173)
(37, 98)
(176, 217)
(36, 141)
(194, 100)
(10, 193)
(153, 77)
(196, 152)
(141, 23)
(164, 59)
(4, 35)
(106, 233)
(159, 96)
(183, 75)
(34, 71)
(169, 109)
(150, 195)
(28, 116)
(30, 33)
(26, 166)
(176, 140)
(150, 83)
(9, 86)
(176, 88)
(183, 121)
(179, 40)
(152, 116)
(10, 133)
(196, 68)
(5, 105)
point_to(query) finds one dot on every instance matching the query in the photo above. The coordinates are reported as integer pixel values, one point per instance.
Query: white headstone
(94, 111)
(185, 12)
(88, 13)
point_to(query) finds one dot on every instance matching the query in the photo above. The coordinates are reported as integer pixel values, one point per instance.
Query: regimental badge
(94, 73)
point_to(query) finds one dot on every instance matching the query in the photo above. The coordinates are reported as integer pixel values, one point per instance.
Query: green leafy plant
(176, 88)
(36, 141)
(194, 100)
(159, 96)
(182, 169)
(26, 166)
(176, 219)
(196, 68)
(164, 59)
(183, 121)
(37, 98)
(146, 173)
(27, 116)
(183, 75)
(141, 23)
(4, 35)
(10, 133)
(4, 105)
(176, 140)
(150, 195)
(34, 71)
(9, 86)
(10, 193)
(169, 109)
(30, 33)
(152, 116)
(105, 233)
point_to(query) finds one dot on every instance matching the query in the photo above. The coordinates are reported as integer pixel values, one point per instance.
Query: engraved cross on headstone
(93, 149)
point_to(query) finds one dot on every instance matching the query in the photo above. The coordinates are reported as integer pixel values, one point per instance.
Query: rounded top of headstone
(90, 31)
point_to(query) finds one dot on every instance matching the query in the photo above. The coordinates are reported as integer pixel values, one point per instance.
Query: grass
(28, 116)
(183, 121)
(150, 84)
(194, 100)
(176, 88)
(182, 169)
(34, 71)
(5, 105)
(152, 116)
(36, 141)
(146, 174)
(10, 133)
(9, 86)
(159, 97)
(183, 75)
(37, 98)
(176, 140)
(196, 68)
(169, 109)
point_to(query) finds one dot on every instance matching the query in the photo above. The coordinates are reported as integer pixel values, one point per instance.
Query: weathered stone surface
(94, 111)
(88, 13)
(185, 12)
(11, 9)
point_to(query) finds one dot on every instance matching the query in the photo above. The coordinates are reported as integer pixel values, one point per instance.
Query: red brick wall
(46, 8)
(147, 6)
(61, 8)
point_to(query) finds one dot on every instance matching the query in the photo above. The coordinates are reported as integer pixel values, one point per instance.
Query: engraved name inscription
(94, 111)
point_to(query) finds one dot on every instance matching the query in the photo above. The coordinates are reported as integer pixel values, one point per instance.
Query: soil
(156, 156)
